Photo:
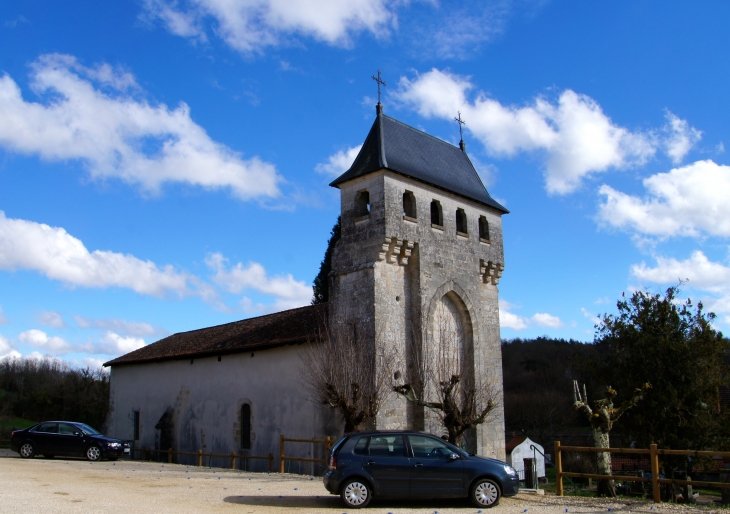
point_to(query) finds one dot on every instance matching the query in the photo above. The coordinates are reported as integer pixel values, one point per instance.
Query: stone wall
(205, 397)
(393, 269)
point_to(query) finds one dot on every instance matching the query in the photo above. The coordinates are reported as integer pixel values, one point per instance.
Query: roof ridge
(424, 133)
(383, 161)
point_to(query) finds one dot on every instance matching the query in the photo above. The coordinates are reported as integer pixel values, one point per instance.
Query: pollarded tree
(346, 367)
(673, 345)
(441, 378)
(602, 417)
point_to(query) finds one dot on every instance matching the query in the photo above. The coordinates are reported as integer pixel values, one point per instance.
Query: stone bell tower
(421, 233)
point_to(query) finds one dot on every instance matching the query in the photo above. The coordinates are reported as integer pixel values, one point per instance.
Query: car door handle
(371, 462)
(419, 465)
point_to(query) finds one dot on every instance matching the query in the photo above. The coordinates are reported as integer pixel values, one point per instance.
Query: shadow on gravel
(334, 502)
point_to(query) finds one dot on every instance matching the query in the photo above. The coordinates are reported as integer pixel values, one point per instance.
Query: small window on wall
(483, 228)
(409, 205)
(245, 426)
(362, 204)
(437, 218)
(136, 425)
(461, 222)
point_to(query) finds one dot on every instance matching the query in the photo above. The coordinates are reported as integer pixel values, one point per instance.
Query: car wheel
(356, 493)
(485, 493)
(93, 453)
(26, 450)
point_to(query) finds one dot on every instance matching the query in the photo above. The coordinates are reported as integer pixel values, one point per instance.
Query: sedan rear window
(47, 428)
(88, 430)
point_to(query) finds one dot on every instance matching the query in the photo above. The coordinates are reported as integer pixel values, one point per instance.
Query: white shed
(518, 448)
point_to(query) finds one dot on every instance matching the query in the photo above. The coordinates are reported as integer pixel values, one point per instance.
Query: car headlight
(509, 470)
(115, 445)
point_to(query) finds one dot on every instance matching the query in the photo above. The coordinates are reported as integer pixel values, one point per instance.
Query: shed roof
(263, 332)
(398, 147)
(514, 443)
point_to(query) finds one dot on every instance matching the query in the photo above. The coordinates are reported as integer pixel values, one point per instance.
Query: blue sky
(164, 165)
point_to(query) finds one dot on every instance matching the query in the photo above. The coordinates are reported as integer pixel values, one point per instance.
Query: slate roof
(282, 328)
(403, 149)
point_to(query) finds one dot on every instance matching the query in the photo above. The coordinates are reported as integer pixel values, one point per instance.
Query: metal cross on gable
(461, 124)
(379, 81)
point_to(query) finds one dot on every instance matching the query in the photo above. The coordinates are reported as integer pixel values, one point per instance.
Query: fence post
(169, 455)
(281, 453)
(558, 470)
(327, 445)
(271, 462)
(200, 458)
(144, 453)
(654, 457)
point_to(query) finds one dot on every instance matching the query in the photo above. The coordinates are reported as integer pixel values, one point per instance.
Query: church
(419, 232)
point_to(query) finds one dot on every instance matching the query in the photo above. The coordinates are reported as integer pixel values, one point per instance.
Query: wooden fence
(233, 456)
(653, 453)
(327, 441)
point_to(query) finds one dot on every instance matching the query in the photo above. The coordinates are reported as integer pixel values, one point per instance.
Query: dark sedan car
(400, 464)
(52, 438)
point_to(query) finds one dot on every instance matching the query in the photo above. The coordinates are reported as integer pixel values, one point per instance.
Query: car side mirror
(78, 434)
(454, 456)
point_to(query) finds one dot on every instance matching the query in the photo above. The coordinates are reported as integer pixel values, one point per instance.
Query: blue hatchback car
(407, 464)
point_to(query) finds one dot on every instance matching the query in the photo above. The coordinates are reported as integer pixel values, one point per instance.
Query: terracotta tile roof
(514, 443)
(253, 334)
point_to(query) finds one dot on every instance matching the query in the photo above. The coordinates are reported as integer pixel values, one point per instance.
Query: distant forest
(538, 387)
(48, 388)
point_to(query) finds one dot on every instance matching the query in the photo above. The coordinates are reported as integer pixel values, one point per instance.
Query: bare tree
(348, 367)
(602, 417)
(442, 376)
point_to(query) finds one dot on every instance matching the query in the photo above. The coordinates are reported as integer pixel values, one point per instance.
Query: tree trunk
(603, 462)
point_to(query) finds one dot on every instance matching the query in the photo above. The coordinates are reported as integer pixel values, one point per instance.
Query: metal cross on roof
(379, 81)
(461, 123)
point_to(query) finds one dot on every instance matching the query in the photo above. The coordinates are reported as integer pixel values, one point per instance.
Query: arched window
(362, 204)
(436, 214)
(483, 229)
(245, 426)
(409, 205)
(461, 222)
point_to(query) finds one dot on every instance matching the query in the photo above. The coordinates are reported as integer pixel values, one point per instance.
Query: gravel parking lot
(72, 485)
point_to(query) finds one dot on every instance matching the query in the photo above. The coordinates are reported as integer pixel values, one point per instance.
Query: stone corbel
(405, 253)
(384, 249)
(394, 250)
(490, 271)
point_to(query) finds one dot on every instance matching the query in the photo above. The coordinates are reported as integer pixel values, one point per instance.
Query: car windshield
(86, 429)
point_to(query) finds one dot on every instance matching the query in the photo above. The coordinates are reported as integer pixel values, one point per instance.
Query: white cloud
(543, 319)
(686, 201)
(681, 137)
(39, 339)
(114, 344)
(93, 115)
(3, 319)
(52, 319)
(509, 319)
(6, 349)
(58, 255)
(701, 272)
(702, 275)
(588, 314)
(289, 293)
(249, 26)
(574, 134)
(339, 162)
(131, 328)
